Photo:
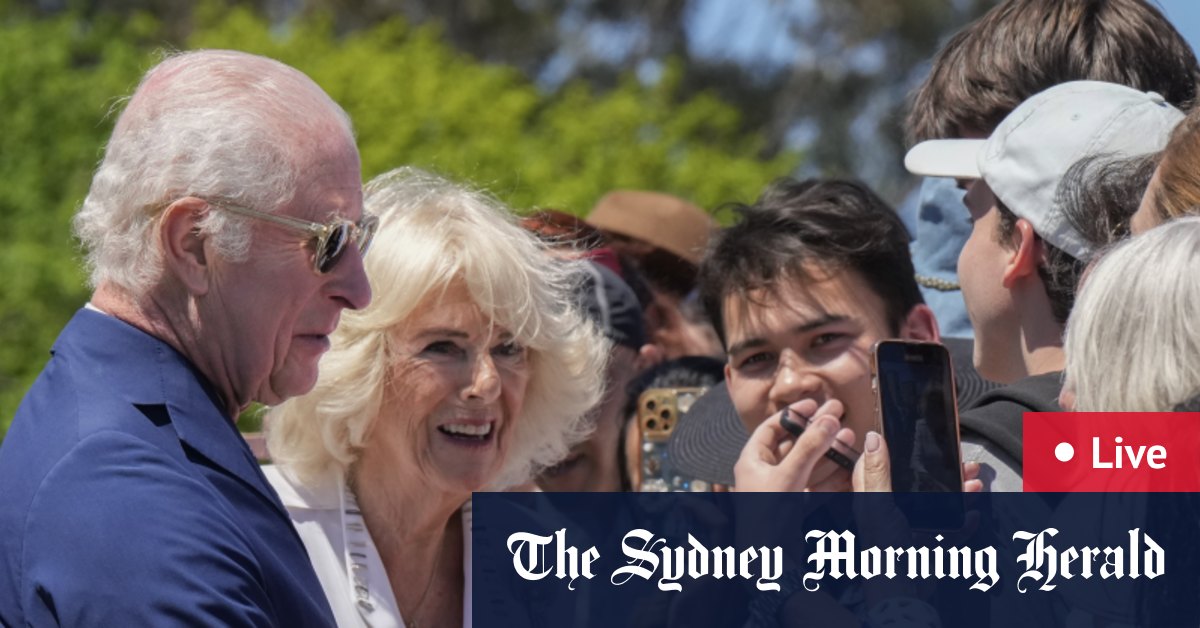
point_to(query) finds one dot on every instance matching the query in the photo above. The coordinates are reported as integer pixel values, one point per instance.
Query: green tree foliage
(57, 79)
(414, 101)
(829, 76)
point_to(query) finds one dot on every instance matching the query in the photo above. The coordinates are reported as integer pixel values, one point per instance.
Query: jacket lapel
(146, 371)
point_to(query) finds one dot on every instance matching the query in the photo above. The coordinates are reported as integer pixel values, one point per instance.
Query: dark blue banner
(729, 559)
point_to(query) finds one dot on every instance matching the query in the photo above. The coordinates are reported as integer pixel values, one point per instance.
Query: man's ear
(920, 324)
(1024, 260)
(649, 356)
(183, 244)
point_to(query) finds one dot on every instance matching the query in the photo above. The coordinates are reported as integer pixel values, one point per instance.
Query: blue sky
(753, 32)
(1185, 15)
(713, 20)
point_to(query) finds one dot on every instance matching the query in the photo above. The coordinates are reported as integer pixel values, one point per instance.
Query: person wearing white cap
(1021, 264)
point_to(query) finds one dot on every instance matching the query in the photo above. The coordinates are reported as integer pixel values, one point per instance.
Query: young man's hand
(774, 460)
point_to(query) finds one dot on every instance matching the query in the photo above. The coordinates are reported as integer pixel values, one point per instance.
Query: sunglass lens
(366, 234)
(334, 246)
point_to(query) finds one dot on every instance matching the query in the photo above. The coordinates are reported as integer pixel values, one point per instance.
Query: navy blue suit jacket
(127, 497)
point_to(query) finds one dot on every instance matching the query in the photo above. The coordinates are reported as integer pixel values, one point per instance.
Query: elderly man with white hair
(225, 232)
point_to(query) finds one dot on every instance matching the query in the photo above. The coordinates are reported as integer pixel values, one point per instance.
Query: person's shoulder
(116, 483)
(51, 459)
(1037, 393)
(997, 419)
(119, 529)
(76, 396)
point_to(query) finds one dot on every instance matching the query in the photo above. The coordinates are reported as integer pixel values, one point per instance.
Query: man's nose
(795, 379)
(350, 282)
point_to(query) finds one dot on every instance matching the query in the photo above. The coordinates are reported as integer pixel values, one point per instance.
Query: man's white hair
(213, 124)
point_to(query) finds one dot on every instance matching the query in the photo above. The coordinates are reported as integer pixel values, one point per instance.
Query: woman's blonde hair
(1133, 339)
(432, 233)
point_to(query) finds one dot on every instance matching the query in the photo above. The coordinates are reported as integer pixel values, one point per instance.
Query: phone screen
(917, 408)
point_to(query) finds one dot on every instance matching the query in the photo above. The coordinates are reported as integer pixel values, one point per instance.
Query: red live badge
(1112, 452)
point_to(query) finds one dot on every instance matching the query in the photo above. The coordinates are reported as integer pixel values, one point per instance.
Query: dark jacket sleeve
(126, 538)
(998, 417)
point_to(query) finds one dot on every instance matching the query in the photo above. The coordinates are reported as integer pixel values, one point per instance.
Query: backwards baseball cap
(611, 304)
(1034, 146)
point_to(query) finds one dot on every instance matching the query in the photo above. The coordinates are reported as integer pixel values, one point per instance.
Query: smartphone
(917, 414)
(844, 455)
(659, 410)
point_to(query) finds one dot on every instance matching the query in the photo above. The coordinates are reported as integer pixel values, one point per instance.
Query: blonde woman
(470, 370)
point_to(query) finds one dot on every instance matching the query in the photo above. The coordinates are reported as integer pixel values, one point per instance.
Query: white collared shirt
(349, 567)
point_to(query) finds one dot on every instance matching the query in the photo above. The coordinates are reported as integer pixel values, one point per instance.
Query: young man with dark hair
(810, 277)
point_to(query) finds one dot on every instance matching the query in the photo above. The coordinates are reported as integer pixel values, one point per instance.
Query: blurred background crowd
(713, 100)
(582, 217)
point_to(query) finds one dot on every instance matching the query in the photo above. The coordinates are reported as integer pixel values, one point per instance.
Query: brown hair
(1099, 194)
(1022, 47)
(1178, 190)
(560, 229)
(836, 224)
